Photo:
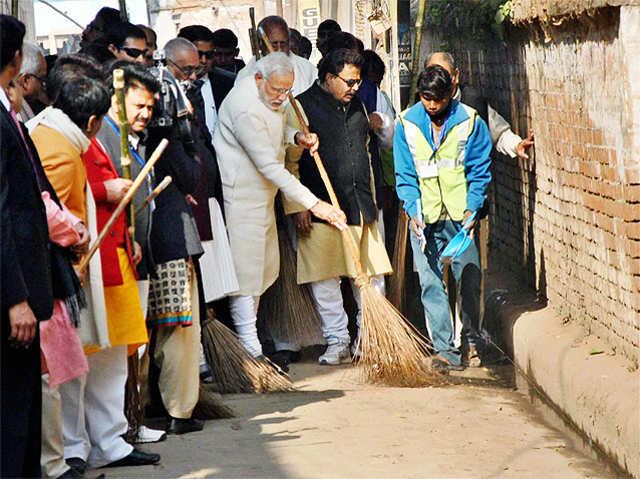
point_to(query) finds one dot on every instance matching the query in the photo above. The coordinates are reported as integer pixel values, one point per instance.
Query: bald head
(182, 59)
(446, 61)
(277, 31)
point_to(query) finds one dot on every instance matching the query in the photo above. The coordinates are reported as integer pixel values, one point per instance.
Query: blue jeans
(467, 273)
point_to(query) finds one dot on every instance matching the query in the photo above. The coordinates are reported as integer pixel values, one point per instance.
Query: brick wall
(569, 222)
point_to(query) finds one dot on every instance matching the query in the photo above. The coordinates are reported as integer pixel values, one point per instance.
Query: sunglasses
(351, 83)
(208, 54)
(133, 52)
(186, 71)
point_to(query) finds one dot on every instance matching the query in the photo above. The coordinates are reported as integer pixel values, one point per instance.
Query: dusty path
(336, 427)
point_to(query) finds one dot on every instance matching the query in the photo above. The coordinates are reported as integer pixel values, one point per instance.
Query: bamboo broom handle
(125, 152)
(346, 233)
(156, 191)
(254, 33)
(123, 203)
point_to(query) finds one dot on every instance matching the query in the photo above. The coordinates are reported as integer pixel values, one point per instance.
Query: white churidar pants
(328, 299)
(93, 419)
(243, 312)
(52, 454)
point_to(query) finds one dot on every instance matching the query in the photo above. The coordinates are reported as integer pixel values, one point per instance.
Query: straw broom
(287, 307)
(235, 370)
(392, 351)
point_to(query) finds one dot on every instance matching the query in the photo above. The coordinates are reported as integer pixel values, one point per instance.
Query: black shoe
(183, 426)
(206, 376)
(71, 474)
(282, 359)
(77, 464)
(136, 458)
(273, 364)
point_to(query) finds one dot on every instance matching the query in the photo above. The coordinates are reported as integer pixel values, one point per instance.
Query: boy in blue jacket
(441, 157)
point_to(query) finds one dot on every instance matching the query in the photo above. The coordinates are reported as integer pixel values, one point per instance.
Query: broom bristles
(398, 263)
(132, 401)
(210, 407)
(287, 307)
(234, 368)
(393, 352)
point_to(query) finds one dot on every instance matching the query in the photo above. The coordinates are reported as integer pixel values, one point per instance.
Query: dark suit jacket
(174, 233)
(221, 83)
(24, 234)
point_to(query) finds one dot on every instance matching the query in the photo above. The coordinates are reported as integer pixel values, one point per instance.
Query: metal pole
(15, 8)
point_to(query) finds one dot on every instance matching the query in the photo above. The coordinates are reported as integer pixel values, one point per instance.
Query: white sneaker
(335, 354)
(147, 435)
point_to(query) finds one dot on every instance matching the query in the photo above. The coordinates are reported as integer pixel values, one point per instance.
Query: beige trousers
(177, 356)
(52, 453)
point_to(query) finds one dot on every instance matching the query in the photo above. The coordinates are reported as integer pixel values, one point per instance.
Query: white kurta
(305, 73)
(249, 141)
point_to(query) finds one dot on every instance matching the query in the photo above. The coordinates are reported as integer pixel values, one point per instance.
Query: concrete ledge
(597, 390)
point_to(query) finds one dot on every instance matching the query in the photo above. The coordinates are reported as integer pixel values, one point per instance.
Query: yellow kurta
(124, 312)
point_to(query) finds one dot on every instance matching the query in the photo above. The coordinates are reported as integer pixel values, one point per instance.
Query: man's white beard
(264, 98)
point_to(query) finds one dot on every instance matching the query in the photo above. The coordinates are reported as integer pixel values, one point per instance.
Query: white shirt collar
(4, 99)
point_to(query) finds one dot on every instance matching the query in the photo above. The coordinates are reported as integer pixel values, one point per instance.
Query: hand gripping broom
(392, 351)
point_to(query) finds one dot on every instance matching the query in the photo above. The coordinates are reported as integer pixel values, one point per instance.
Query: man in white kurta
(277, 31)
(250, 142)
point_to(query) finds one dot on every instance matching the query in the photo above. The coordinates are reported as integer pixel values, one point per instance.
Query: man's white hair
(176, 45)
(276, 62)
(31, 58)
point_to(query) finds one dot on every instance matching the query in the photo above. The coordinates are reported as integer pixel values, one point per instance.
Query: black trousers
(21, 406)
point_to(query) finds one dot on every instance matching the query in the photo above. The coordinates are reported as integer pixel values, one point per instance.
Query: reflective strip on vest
(441, 173)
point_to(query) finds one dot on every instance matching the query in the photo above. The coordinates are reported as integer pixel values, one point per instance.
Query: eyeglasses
(133, 52)
(39, 78)
(209, 54)
(279, 91)
(186, 71)
(351, 83)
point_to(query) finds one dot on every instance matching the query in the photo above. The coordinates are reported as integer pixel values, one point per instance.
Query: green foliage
(468, 20)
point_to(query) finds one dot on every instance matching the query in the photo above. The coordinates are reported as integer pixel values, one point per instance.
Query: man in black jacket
(216, 82)
(340, 120)
(174, 312)
(25, 280)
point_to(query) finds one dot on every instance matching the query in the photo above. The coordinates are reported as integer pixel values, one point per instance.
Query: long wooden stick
(125, 151)
(254, 33)
(346, 233)
(156, 191)
(123, 203)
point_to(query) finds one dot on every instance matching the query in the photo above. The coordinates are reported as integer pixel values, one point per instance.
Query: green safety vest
(441, 176)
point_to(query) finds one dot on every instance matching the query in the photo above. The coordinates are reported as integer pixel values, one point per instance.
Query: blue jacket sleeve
(406, 175)
(477, 165)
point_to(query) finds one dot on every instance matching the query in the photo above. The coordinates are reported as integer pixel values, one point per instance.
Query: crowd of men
(211, 234)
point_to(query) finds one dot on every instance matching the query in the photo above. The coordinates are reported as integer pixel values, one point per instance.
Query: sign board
(309, 11)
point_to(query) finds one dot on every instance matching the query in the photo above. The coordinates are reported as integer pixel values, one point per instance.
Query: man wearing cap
(441, 157)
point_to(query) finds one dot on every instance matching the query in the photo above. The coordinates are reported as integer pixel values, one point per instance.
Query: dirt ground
(335, 426)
